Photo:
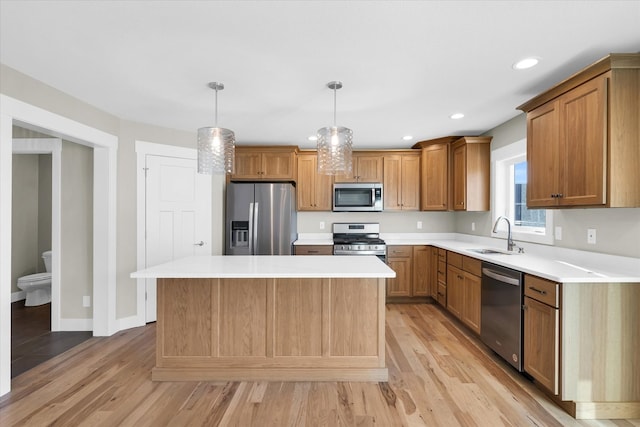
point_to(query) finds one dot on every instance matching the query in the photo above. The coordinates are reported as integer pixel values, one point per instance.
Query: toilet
(38, 286)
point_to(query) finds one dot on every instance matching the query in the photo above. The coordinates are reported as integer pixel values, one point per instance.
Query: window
(510, 197)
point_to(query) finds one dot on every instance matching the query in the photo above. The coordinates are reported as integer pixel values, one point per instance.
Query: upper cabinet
(314, 190)
(367, 167)
(434, 195)
(402, 181)
(470, 173)
(265, 163)
(582, 138)
(455, 173)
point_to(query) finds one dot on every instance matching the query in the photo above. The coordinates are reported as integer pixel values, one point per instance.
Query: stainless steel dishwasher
(501, 315)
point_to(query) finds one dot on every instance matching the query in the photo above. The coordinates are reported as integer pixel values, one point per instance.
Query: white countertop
(322, 266)
(553, 263)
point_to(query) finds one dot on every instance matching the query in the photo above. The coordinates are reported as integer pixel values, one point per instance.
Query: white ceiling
(406, 66)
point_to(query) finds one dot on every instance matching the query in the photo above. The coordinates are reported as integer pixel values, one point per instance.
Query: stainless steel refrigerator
(260, 219)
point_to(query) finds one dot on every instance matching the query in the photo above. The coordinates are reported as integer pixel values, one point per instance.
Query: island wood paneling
(298, 317)
(242, 321)
(354, 317)
(308, 329)
(187, 329)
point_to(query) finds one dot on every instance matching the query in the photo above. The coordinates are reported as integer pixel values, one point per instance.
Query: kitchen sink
(491, 252)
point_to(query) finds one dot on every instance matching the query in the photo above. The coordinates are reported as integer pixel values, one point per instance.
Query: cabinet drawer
(454, 259)
(542, 290)
(442, 253)
(399, 251)
(472, 265)
(442, 294)
(313, 250)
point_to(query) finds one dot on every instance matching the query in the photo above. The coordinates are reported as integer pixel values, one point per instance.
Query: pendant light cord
(334, 107)
(216, 107)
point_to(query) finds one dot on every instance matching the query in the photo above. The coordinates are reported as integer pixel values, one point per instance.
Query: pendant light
(335, 144)
(216, 146)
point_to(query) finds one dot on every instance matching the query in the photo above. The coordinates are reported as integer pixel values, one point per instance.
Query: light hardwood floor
(439, 375)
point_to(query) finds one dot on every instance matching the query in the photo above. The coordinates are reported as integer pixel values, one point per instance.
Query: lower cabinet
(441, 275)
(313, 250)
(464, 288)
(542, 331)
(412, 265)
(400, 259)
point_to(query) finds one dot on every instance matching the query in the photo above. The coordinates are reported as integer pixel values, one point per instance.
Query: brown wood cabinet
(421, 264)
(582, 138)
(434, 183)
(400, 259)
(464, 289)
(313, 249)
(402, 182)
(367, 167)
(441, 291)
(413, 273)
(265, 163)
(470, 173)
(542, 331)
(313, 190)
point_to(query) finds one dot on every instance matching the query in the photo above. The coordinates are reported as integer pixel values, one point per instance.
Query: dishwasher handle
(501, 277)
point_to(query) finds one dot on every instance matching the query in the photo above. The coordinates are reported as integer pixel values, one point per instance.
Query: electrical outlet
(558, 233)
(86, 301)
(321, 225)
(419, 225)
(473, 226)
(591, 236)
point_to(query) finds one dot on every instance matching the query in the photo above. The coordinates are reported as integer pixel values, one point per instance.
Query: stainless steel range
(358, 239)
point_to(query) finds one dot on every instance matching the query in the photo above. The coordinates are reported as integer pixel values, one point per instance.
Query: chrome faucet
(510, 244)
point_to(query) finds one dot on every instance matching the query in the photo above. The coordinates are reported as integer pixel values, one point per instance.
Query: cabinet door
(583, 156)
(421, 271)
(455, 290)
(471, 301)
(400, 286)
(543, 155)
(435, 181)
(392, 177)
(459, 178)
(369, 168)
(541, 335)
(277, 165)
(247, 165)
(313, 190)
(410, 183)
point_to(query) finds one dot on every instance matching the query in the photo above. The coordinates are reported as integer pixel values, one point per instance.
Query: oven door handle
(501, 278)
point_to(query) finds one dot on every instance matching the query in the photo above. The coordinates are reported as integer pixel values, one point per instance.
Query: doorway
(19, 113)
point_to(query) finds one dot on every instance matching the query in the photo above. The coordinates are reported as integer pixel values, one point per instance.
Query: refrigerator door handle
(255, 228)
(251, 233)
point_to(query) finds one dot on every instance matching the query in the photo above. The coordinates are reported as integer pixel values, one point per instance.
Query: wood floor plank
(439, 375)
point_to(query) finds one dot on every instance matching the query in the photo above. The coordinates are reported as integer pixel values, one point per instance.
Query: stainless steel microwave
(357, 197)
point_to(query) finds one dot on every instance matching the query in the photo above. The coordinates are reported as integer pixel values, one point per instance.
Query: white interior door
(178, 215)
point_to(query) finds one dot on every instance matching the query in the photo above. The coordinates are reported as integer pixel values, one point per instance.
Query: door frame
(105, 145)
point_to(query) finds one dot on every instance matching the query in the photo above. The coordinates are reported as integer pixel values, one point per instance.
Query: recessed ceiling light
(457, 116)
(407, 137)
(313, 138)
(525, 63)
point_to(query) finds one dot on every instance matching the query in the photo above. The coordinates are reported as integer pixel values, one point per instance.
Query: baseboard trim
(18, 296)
(129, 322)
(270, 374)
(76, 325)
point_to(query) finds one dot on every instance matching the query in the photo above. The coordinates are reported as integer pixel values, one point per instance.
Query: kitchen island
(261, 318)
